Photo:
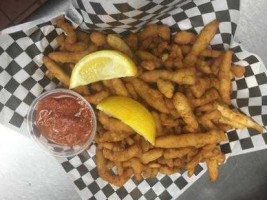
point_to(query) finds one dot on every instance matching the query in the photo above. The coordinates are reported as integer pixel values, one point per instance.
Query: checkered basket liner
(22, 79)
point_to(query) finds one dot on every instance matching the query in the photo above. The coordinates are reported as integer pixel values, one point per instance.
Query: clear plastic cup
(53, 148)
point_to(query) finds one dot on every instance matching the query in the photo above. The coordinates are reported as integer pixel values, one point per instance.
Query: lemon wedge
(131, 113)
(102, 65)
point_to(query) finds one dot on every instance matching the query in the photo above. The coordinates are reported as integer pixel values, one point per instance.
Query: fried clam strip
(153, 30)
(112, 124)
(208, 118)
(169, 162)
(82, 90)
(119, 87)
(216, 64)
(206, 108)
(178, 162)
(132, 41)
(224, 127)
(97, 97)
(183, 107)
(238, 71)
(131, 90)
(176, 52)
(210, 96)
(165, 87)
(238, 118)
(149, 31)
(124, 155)
(107, 145)
(153, 97)
(190, 166)
(97, 86)
(98, 38)
(177, 153)
(170, 106)
(148, 65)
(234, 124)
(186, 49)
(108, 85)
(82, 36)
(225, 77)
(76, 47)
(150, 172)
(151, 155)
(216, 154)
(154, 165)
(59, 73)
(145, 145)
(145, 55)
(161, 161)
(164, 32)
(129, 141)
(212, 166)
(118, 44)
(110, 164)
(211, 53)
(190, 139)
(181, 76)
(119, 167)
(113, 136)
(203, 66)
(159, 128)
(71, 35)
(112, 145)
(105, 173)
(201, 43)
(202, 85)
(49, 75)
(61, 41)
(55, 69)
(149, 61)
(137, 167)
(68, 57)
(168, 120)
(205, 53)
(213, 158)
(184, 37)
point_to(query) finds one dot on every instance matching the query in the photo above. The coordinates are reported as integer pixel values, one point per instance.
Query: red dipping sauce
(64, 119)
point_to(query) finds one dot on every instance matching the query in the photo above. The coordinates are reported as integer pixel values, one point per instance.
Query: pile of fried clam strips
(185, 85)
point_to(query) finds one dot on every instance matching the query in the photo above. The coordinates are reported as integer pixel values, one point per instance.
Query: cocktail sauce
(64, 119)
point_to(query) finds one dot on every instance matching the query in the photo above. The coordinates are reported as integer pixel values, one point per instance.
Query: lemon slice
(102, 65)
(131, 113)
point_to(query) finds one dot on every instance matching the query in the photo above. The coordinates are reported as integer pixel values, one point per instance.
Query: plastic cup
(51, 147)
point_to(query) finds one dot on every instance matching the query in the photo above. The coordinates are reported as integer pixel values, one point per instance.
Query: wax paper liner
(22, 79)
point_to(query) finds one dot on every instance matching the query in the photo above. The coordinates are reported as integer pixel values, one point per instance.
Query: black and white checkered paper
(22, 79)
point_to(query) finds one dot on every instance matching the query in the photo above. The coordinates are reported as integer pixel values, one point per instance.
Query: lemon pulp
(102, 65)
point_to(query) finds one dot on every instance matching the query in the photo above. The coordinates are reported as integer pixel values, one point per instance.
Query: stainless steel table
(28, 173)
